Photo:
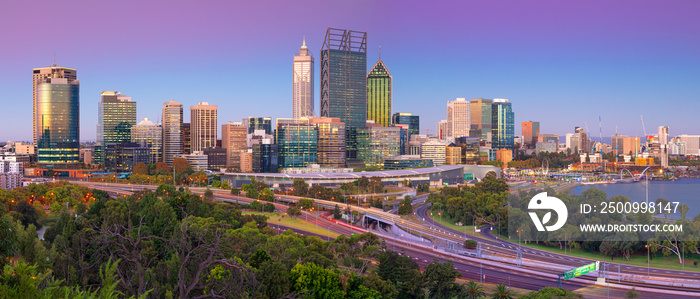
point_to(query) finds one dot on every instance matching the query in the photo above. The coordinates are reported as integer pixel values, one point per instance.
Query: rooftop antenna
(380, 51)
(54, 59)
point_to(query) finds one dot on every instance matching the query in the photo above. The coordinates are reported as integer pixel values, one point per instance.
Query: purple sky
(560, 62)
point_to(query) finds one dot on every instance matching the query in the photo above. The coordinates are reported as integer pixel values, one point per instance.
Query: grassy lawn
(297, 223)
(658, 260)
(450, 224)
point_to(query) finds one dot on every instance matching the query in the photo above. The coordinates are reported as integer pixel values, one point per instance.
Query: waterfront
(684, 190)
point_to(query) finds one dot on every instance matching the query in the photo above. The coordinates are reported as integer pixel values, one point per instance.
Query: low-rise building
(407, 162)
(197, 160)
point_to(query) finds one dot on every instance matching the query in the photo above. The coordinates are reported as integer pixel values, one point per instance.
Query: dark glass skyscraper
(259, 123)
(344, 81)
(413, 122)
(503, 124)
(58, 122)
(265, 158)
(297, 144)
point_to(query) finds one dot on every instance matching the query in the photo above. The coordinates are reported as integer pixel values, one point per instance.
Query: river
(684, 190)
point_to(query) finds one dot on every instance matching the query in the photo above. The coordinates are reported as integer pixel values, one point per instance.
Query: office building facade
(265, 157)
(376, 144)
(234, 140)
(258, 123)
(481, 119)
(149, 135)
(331, 141)
(122, 157)
(297, 145)
(303, 83)
(172, 131)
(203, 126)
(531, 132)
(115, 116)
(58, 122)
(457, 118)
(379, 94)
(38, 76)
(413, 122)
(503, 125)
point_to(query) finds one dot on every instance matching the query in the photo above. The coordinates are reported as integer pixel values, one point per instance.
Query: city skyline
(586, 56)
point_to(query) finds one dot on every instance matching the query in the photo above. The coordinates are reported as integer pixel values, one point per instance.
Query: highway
(470, 268)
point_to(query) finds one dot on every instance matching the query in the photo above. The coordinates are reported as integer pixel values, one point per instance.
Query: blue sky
(560, 63)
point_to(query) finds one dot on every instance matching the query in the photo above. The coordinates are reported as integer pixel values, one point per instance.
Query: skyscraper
(39, 74)
(331, 141)
(413, 122)
(258, 123)
(186, 138)
(303, 98)
(375, 144)
(234, 140)
(344, 81)
(203, 126)
(115, 116)
(531, 131)
(172, 130)
(480, 119)
(149, 135)
(457, 118)
(297, 144)
(503, 125)
(57, 118)
(379, 93)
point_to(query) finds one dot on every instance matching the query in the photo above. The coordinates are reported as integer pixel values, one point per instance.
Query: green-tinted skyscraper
(379, 94)
(116, 116)
(502, 124)
(297, 144)
(58, 121)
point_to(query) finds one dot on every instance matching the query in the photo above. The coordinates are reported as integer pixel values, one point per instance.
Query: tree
(406, 208)
(180, 165)
(632, 293)
(225, 185)
(141, 168)
(28, 214)
(209, 195)
(320, 282)
(269, 207)
(274, 279)
(440, 279)
(162, 168)
(8, 240)
(293, 211)
(470, 244)
(550, 292)
(337, 213)
(300, 188)
(306, 203)
(502, 291)
(472, 290)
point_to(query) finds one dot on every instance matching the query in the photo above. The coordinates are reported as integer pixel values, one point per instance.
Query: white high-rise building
(303, 98)
(172, 131)
(458, 121)
(204, 128)
(692, 144)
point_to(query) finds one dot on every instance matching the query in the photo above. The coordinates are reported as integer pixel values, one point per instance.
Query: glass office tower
(413, 122)
(265, 157)
(344, 81)
(503, 124)
(379, 94)
(58, 122)
(258, 123)
(38, 76)
(481, 119)
(116, 115)
(297, 145)
(375, 144)
(331, 141)
(172, 131)
(149, 135)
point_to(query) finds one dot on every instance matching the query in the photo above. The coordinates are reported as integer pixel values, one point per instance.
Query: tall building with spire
(203, 126)
(344, 81)
(303, 98)
(172, 131)
(56, 103)
(379, 93)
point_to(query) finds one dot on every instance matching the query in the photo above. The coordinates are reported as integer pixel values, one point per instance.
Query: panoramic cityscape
(247, 157)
